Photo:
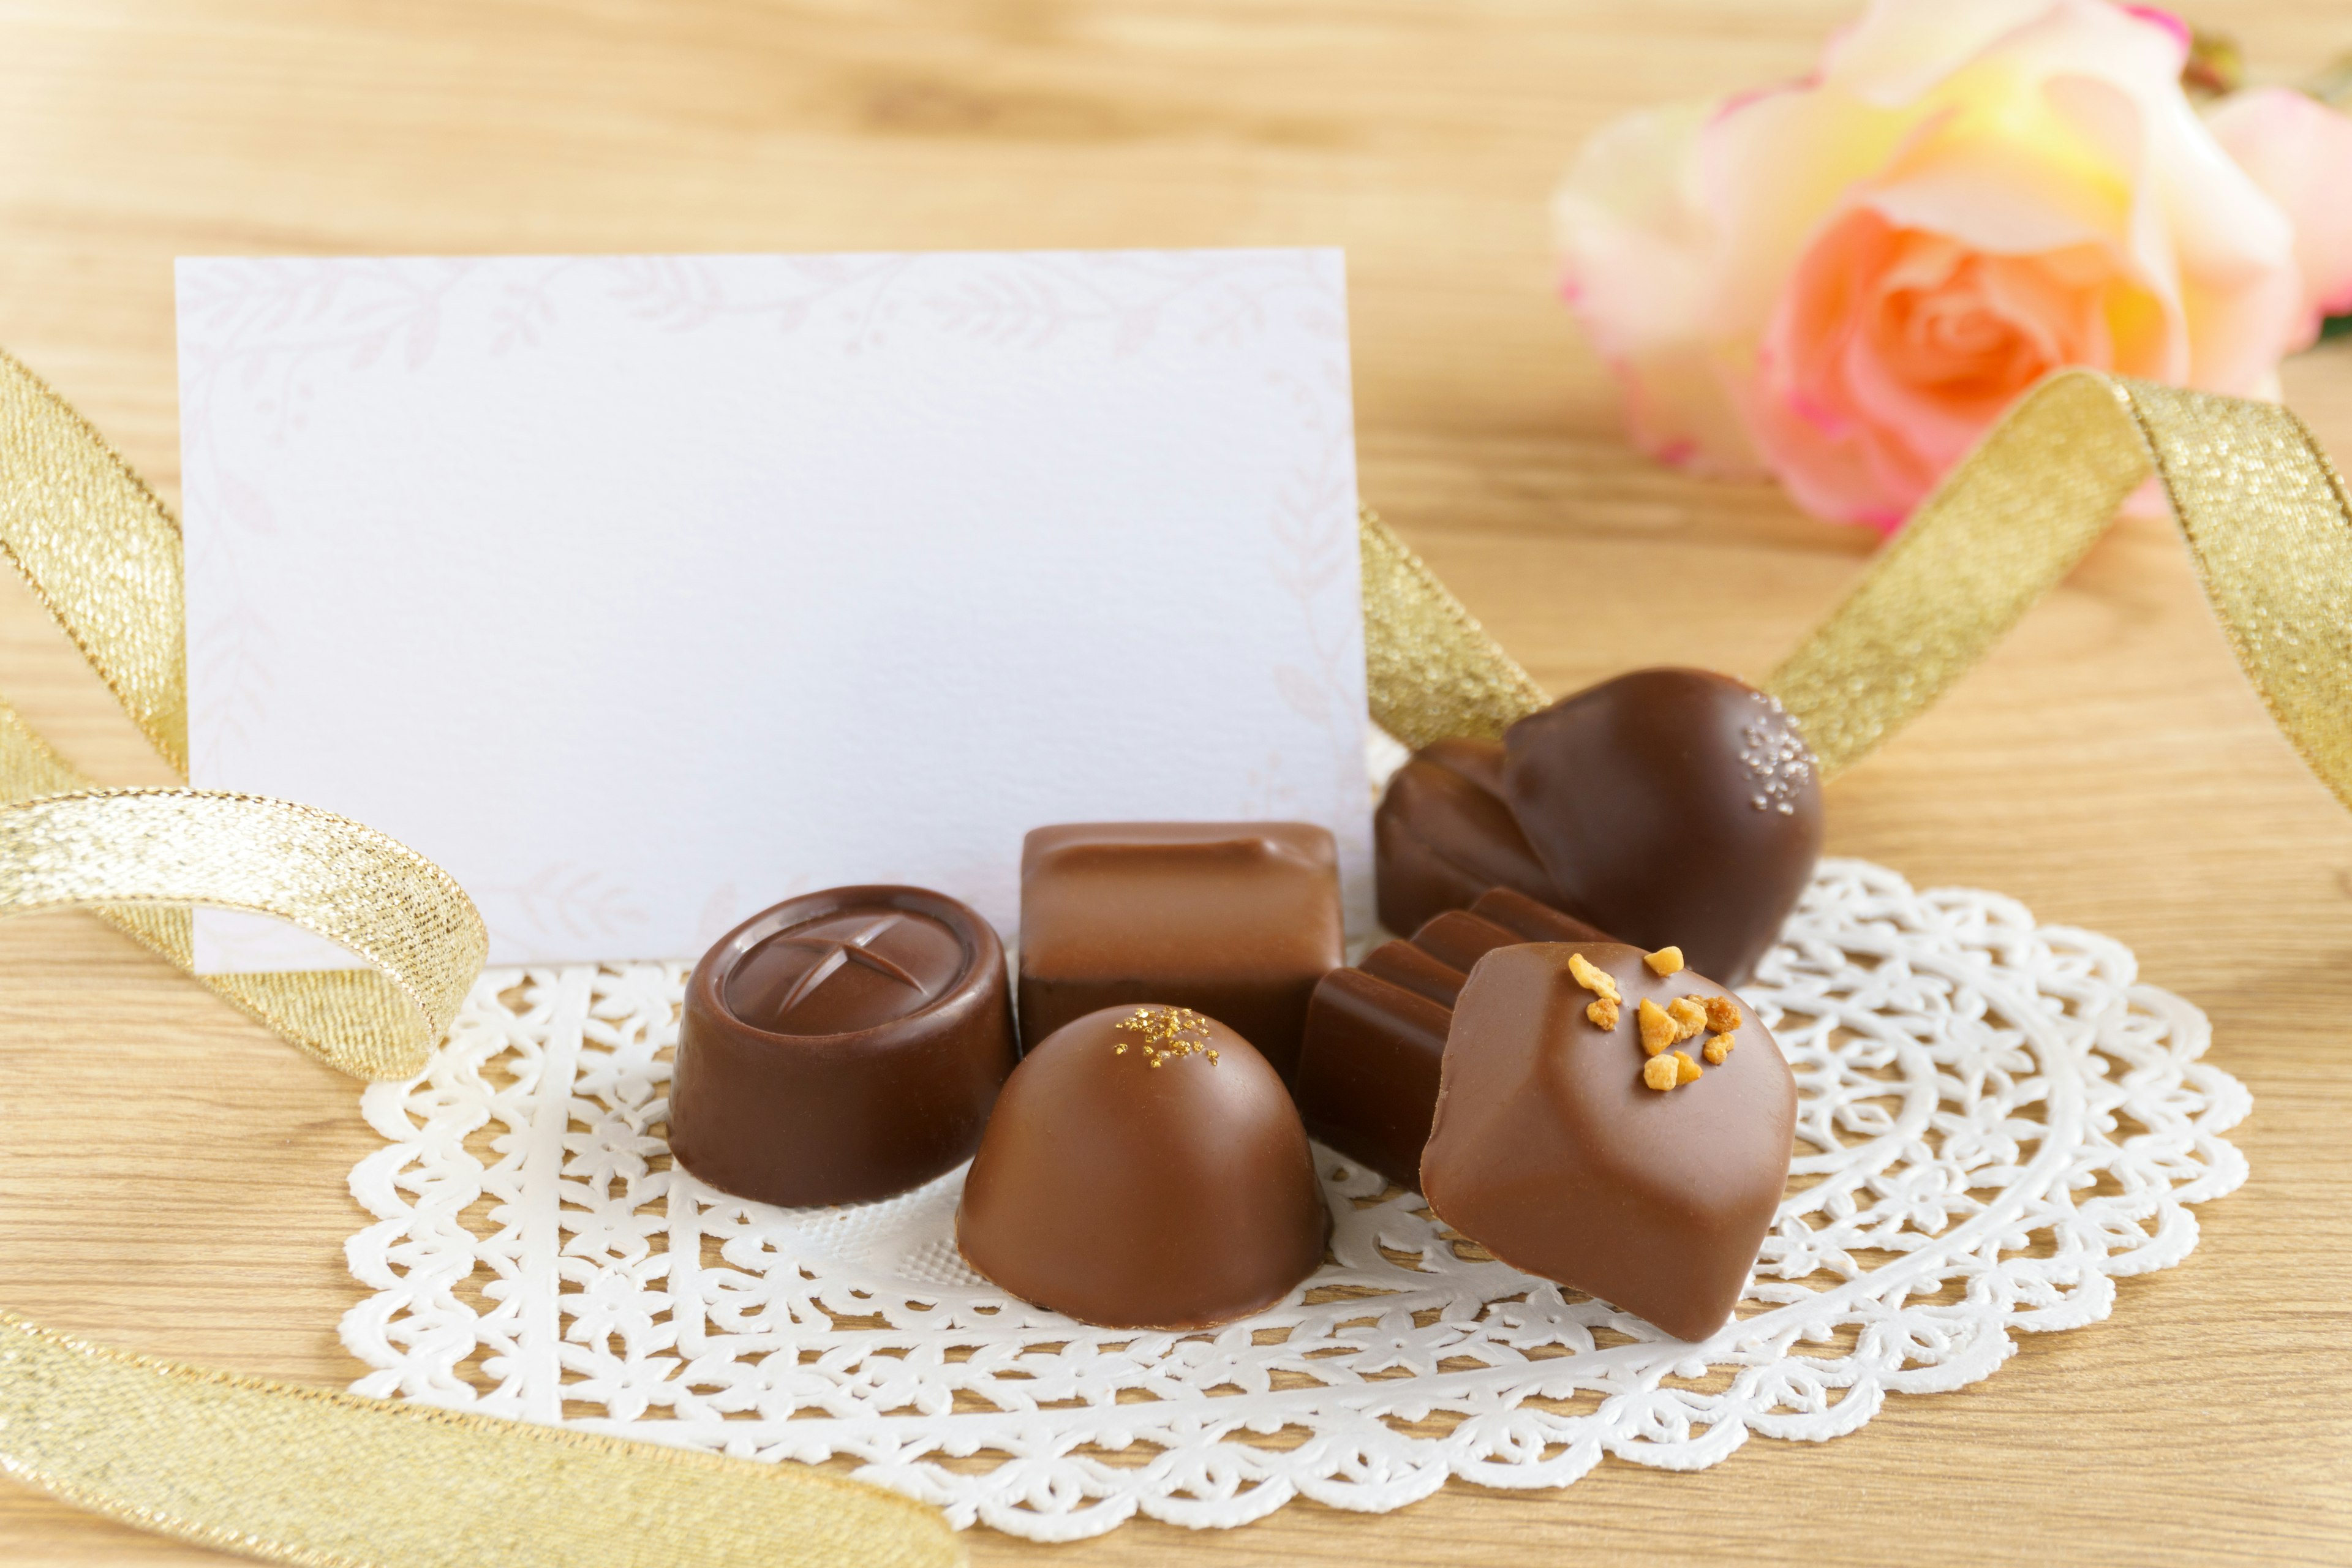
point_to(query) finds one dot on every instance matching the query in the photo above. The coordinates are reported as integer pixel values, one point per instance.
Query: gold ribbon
(286, 1473)
(1430, 667)
(120, 850)
(332, 1480)
(101, 552)
(2265, 512)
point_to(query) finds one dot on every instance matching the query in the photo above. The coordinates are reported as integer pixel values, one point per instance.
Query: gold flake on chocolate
(1167, 1032)
(1684, 1019)
(1662, 1028)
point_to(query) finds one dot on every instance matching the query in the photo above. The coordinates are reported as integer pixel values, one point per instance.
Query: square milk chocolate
(1235, 919)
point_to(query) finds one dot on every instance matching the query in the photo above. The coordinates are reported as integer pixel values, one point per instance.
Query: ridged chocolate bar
(1235, 919)
(1375, 1036)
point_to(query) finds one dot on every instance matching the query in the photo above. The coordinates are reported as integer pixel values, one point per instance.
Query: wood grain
(172, 1179)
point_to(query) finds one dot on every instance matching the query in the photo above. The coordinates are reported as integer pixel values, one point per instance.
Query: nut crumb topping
(1662, 1028)
(1603, 986)
(1599, 982)
(1657, 1026)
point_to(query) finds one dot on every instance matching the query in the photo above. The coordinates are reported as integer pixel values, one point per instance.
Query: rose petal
(1847, 478)
(1902, 50)
(1810, 404)
(2171, 27)
(2002, 197)
(1772, 177)
(1635, 243)
(1942, 401)
(2299, 151)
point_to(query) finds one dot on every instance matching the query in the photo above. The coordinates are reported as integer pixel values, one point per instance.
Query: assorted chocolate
(1144, 1169)
(1666, 806)
(1606, 1155)
(1368, 1069)
(1588, 1107)
(843, 1046)
(1236, 920)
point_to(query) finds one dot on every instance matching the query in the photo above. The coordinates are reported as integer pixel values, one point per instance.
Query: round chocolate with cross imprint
(840, 1047)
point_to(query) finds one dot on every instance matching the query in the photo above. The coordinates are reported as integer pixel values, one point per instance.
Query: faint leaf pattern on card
(642, 592)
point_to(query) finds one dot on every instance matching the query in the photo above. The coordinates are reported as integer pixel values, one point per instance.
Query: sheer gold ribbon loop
(2265, 515)
(1430, 669)
(383, 901)
(100, 552)
(332, 1480)
(2263, 510)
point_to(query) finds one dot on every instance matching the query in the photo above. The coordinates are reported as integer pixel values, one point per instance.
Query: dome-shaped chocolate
(1144, 1169)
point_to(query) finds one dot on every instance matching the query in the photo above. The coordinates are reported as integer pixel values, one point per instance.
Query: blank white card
(643, 591)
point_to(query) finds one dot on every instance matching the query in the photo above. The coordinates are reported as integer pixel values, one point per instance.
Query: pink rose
(1843, 283)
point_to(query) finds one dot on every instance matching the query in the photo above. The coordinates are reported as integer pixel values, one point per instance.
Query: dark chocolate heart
(1670, 807)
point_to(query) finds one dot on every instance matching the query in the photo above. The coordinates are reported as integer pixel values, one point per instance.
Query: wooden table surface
(173, 1179)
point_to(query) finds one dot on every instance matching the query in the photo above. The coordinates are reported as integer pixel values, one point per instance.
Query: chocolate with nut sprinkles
(842, 1046)
(1581, 1154)
(1144, 1169)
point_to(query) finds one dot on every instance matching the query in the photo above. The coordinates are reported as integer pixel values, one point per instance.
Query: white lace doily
(1995, 1121)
